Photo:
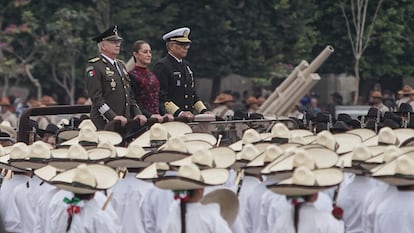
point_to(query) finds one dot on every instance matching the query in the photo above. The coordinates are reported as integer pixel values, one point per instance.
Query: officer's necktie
(117, 67)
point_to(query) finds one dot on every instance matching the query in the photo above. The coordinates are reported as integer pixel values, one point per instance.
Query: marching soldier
(177, 91)
(108, 84)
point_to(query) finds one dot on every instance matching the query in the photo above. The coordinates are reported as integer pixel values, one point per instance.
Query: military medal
(113, 84)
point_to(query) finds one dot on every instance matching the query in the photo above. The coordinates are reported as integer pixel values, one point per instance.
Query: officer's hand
(187, 115)
(158, 117)
(122, 119)
(170, 117)
(141, 118)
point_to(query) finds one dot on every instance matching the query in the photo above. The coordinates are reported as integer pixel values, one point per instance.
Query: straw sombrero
(346, 142)
(383, 155)
(219, 157)
(83, 179)
(174, 149)
(271, 153)
(158, 134)
(399, 172)
(313, 158)
(228, 202)
(200, 137)
(153, 171)
(306, 182)
(351, 162)
(4, 159)
(88, 136)
(365, 134)
(246, 155)
(30, 157)
(132, 158)
(249, 136)
(189, 177)
(66, 133)
(67, 158)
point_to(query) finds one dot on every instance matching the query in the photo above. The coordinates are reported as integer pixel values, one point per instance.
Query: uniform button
(126, 104)
(186, 96)
(185, 85)
(186, 106)
(124, 87)
(126, 95)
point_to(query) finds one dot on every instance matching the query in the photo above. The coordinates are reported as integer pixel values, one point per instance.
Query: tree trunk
(35, 81)
(357, 78)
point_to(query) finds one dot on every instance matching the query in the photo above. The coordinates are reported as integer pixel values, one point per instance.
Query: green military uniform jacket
(109, 91)
(177, 91)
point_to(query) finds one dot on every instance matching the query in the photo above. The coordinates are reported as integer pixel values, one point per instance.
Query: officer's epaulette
(93, 60)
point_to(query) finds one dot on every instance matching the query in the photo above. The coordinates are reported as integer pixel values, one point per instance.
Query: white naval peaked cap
(178, 35)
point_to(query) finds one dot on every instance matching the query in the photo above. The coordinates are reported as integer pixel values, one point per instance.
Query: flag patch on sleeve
(90, 72)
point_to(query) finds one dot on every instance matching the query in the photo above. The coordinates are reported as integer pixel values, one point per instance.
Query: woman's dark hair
(137, 46)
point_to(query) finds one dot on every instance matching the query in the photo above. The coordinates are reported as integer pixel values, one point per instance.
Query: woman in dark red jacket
(145, 84)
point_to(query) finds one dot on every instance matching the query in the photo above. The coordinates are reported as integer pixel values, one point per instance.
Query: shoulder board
(93, 60)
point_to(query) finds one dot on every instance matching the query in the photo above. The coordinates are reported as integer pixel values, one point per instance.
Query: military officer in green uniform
(108, 83)
(177, 91)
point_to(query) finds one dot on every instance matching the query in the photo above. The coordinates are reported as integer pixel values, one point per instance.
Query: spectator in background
(224, 106)
(404, 95)
(376, 98)
(252, 104)
(238, 103)
(42, 121)
(313, 106)
(260, 100)
(336, 99)
(389, 100)
(7, 112)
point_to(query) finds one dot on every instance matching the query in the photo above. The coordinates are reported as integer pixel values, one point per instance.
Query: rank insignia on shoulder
(93, 60)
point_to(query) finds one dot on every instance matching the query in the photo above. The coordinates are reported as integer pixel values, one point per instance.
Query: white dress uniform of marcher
(373, 199)
(272, 206)
(395, 213)
(26, 197)
(200, 218)
(11, 218)
(80, 206)
(311, 220)
(128, 194)
(42, 208)
(351, 198)
(154, 209)
(306, 183)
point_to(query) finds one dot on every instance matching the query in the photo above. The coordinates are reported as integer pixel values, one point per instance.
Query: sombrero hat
(4, 159)
(279, 133)
(383, 155)
(246, 155)
(228, 202)
(189, 177)
(249, 136)
(271, 153)
(365, 134)
(91, 138)
(5, 127)
(174, 149)
(30, 157)
(67, 133)
(399, 172)
(219, 157)
(404, 134)
(200, 137)
(346, 142)
(83, 179)
(158, 134)
(67, 158)
(303, 140)
(152, 172)
(306, 182)
(313, 158)
(351, 162)
(132, 158)
(326, 139)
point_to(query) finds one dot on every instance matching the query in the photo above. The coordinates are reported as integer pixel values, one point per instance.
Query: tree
(358, 35)
(66, 48)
